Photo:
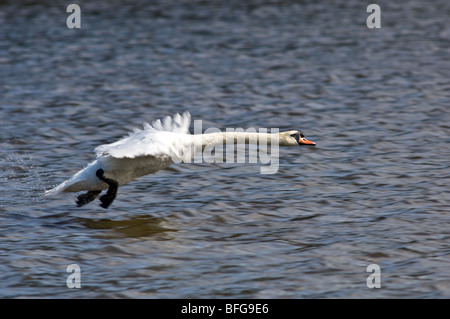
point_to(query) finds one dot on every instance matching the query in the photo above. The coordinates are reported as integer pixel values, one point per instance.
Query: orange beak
(304, 141)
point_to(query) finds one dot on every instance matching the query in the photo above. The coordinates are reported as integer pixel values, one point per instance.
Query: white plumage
(148, 150)
(160, 138)
(143, 152)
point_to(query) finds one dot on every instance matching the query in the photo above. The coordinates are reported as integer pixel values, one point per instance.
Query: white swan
(148, 150)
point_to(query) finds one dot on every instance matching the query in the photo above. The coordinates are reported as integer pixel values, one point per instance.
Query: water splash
(21, 174)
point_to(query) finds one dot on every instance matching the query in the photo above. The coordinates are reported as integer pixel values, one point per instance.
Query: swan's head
(294, 138)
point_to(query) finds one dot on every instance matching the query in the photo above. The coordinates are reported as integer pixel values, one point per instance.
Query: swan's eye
(296, 136)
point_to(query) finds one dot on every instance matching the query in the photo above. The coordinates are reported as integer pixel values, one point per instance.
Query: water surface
(373, 191)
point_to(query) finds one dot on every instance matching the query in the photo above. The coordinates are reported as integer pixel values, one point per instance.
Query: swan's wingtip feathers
(178, 123)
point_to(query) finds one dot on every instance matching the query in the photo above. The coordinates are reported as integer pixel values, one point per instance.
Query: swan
(153, 148)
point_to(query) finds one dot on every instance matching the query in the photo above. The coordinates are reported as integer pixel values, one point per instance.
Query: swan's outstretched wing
(158, 139)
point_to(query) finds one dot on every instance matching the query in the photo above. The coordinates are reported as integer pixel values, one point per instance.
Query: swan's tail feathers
(70, 185)
(56, 190)
(85, 179)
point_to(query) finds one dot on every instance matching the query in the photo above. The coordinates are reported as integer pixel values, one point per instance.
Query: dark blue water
(373, 191)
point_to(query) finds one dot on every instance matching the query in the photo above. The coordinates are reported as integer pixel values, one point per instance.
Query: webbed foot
(86, 198)
(110, 195)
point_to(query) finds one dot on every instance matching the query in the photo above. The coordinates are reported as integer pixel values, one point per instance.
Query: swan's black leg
(108, 198)
(84, 199)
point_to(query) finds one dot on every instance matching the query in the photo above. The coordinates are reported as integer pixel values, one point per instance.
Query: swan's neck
(216, 140)
(233, 137)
